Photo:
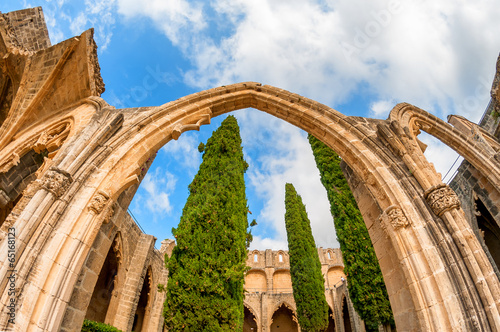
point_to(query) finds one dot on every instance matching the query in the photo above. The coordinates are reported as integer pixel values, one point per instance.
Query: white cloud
(158, 187)
(185, 151)
(260, 243)
(434, 55)
(178, 19)
(97, 14)
(381, 108)
(77, 24)
(284, 155)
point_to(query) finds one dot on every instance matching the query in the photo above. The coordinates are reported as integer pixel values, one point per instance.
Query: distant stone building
(269, 302)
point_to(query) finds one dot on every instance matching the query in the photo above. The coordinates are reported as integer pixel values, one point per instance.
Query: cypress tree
(305, 267)
(365, 282)
(207, 266)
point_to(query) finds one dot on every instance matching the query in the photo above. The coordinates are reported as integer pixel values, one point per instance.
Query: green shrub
(91, 326)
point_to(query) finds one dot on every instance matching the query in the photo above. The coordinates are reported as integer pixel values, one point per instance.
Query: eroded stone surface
(68, 211)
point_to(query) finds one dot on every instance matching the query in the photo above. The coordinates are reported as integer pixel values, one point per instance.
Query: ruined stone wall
(29, 28)
(268, 287)
(139, 261)
(474, 189)
(438, 276)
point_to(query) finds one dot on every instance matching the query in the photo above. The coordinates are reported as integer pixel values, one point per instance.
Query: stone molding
(394, 216)
(441, 198)
(98, 202)
(56, 181)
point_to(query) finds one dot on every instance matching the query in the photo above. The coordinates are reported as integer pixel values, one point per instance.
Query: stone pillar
(133, 283)
(156, 322)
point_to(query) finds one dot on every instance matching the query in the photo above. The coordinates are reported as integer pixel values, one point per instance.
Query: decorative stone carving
(4, 198)
(109, 213)
(204, 119)
(52, 139)
(442, 198)
(56, 181)
(98, 202)
(117, 249)
(31, 189)
(9, 163)
(395, 216)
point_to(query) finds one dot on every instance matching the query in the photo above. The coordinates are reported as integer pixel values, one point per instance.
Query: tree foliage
(207, 266)
(365, 282)
(92, 326)
(305, 267)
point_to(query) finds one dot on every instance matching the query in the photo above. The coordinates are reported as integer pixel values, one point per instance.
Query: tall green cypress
(365, 282)
(305, 268)
(207, 266)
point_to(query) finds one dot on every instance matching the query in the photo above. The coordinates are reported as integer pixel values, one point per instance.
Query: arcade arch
(413, 215)
(256, 281)
(346, 317)
(282, 281)
(250, 320)
(284, 319)
(109, 275)
(143, 311)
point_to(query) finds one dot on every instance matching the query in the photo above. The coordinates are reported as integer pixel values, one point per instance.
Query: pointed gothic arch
(283, 318)
(250, 320)
(129, 138)
(438, 274)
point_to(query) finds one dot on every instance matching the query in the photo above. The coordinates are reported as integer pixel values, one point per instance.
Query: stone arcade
(70, 164)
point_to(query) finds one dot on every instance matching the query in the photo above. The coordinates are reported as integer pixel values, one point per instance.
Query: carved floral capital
(442, 198)
(395, 216)
(56, 181)
(98, 202)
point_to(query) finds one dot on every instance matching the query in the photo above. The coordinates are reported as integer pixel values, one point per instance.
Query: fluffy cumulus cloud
(184, 151)
(435, 55)
(284, 155)
(155, 192)
(178, 19)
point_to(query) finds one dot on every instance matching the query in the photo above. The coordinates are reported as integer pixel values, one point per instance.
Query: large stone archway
(438, 276)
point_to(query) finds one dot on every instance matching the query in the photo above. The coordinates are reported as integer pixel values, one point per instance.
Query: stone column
(133, 284)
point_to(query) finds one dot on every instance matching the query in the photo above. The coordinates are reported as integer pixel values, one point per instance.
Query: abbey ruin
(70, 164)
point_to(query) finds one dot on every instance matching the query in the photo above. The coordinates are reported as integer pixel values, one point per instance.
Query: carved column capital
(441, 198)
(394, 216)
(56, 181)
(98, 202)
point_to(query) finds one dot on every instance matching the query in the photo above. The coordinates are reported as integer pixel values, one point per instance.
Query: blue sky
(359, 57)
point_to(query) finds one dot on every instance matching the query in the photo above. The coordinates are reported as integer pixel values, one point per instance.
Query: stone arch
(143, 310)
(26, 162)
(334, 274)
(331, 320)
(250, 322)
(256, 281)
(346, 316)
(282, 281)
(478, 148)
(6, 96)
(283, 318)
(281, 257)
(105, 286)
(255, 256)
(489, 230)
(406, 210)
